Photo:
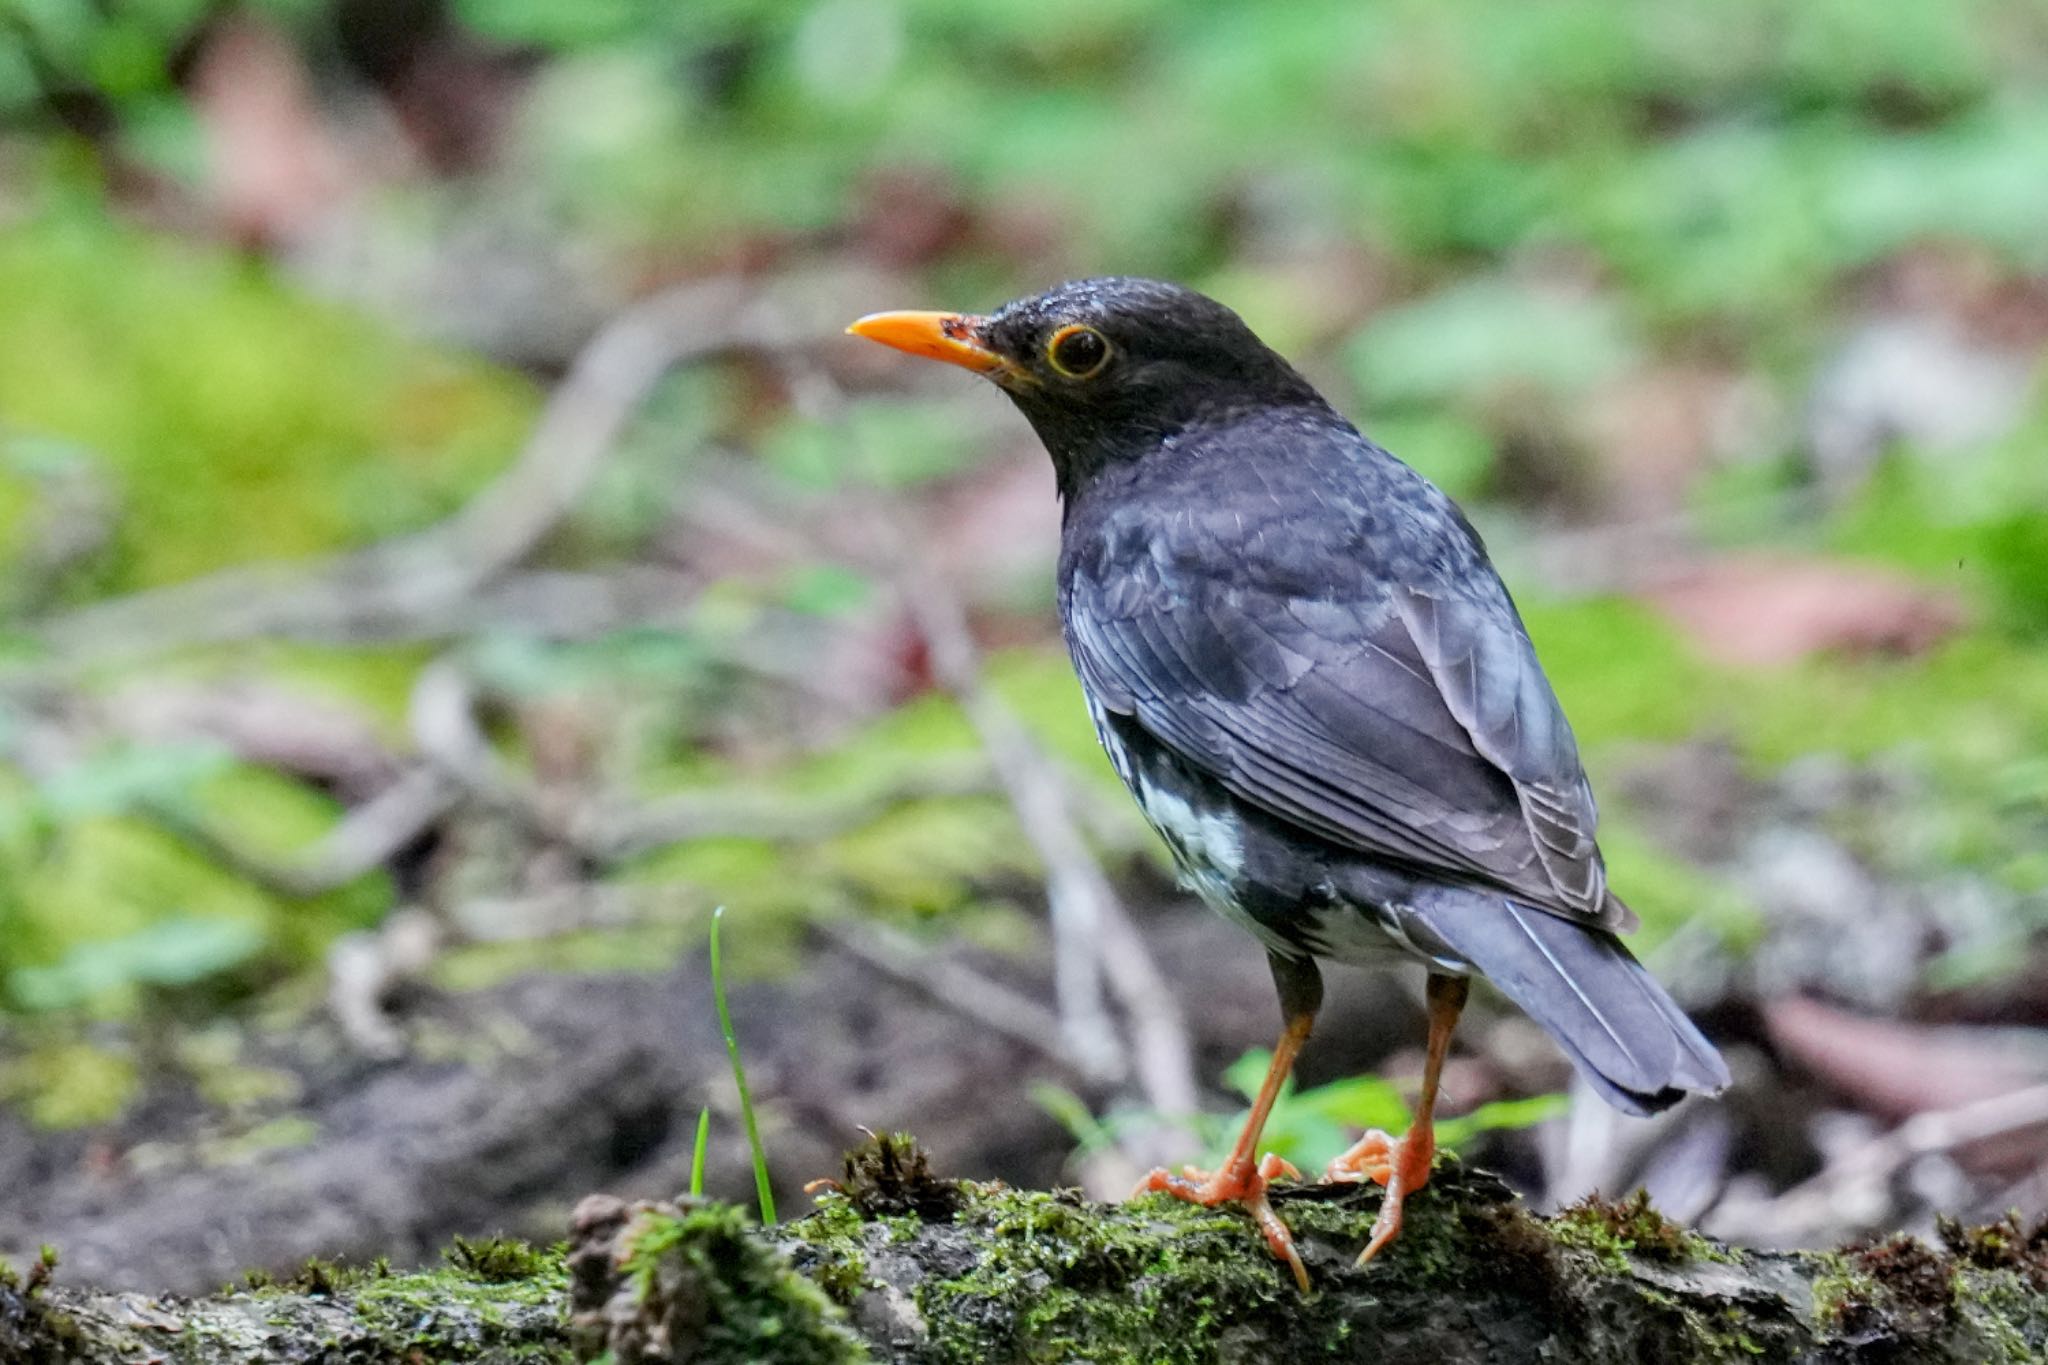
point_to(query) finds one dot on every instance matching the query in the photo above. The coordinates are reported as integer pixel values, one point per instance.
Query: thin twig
(370, 834)
(1818, 1202)
(1076, 888)
(612, 832)
(1088, 919)
(1093, 940)
(418, 577)
(605, 831)
(957, 987)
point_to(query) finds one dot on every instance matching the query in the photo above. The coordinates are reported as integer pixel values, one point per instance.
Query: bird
(1300, 659)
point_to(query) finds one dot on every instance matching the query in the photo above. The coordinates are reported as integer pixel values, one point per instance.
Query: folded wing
(1410, 724)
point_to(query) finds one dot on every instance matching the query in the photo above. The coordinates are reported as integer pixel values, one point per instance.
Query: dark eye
(1077, 352)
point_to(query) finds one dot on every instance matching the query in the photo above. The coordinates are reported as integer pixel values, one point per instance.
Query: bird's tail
(1628, 1037)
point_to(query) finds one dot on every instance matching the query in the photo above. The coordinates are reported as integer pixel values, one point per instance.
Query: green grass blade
(697, 1153)
(739, 1076)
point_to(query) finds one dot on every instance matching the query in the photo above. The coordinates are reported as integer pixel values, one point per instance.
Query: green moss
(1964, 718)
(1622, 671)
(66, 1084)
(842, 1274)
(235, 1148)
(1842, 1292)
(890, 1175)
(107, 880)
(1051, 1277)
(106, 905)
(2003, 1245)
(500, 1259)
(1040, 686)
(1086, 1285)
(375, 680)
(1721, 1338)
(1668, 891)
(255, 423)
(1980, 1291)
(319, 1278)
(1616, 1230)
(460, 1312)
(213, 1057)
(2003, 1310)
(270, 816)
(651, 945)
(915, 858)
(723, 1296)
(1965, 704)
(928, 857)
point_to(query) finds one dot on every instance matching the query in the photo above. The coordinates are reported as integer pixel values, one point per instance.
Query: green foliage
(918, 859)
(103, 895)
(1307, 1127)
(123, 56)
(1973, 521)
(697, 1150)
(1724, 160)
(168, 953)
(1621, 670)
(884, 442)
(1489, 335)
(927, 856)
(1968, 718)
(762, 1185)
(85, 913)
(1451, 451)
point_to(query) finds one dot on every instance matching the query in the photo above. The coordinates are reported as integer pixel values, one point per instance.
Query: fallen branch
(1856, 1181)
(898, 1266)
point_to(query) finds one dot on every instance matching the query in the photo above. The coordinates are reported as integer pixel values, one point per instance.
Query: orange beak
(952, 337)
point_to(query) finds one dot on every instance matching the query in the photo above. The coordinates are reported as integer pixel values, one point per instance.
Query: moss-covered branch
(896, 1266)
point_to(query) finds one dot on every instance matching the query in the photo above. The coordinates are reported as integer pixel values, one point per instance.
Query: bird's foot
(1369, 1158)
(1239, 1182)
(1400, 1164)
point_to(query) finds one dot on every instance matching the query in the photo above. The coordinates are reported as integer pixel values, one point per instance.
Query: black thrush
(1303, 665)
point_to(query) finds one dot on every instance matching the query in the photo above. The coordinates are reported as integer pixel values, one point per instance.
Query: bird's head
(1106, 369)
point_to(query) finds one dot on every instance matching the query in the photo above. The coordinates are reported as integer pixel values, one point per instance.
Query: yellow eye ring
(1077, 351)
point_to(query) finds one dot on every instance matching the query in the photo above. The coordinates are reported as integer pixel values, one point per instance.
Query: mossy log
(897, 1266)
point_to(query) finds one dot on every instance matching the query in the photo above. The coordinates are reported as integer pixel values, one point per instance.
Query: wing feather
(1413, 725)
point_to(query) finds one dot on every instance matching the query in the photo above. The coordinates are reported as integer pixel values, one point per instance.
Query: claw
(1237, 1183)
(1400, 1164)
(1275, 1165)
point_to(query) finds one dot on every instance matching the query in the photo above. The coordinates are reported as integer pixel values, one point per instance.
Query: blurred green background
(1725, 320)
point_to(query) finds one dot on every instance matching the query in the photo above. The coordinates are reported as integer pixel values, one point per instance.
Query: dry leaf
(1764, 610)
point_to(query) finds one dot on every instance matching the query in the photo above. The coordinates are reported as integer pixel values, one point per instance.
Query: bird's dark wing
(1411, 723)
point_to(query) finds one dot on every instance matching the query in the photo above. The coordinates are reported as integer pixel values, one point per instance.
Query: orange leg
(1403, 1165)
(1240, 1178)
